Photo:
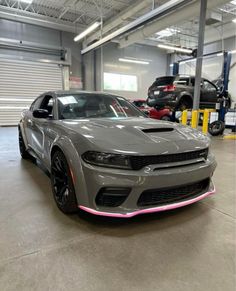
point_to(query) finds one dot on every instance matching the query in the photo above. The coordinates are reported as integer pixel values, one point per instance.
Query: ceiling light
(234, 20)
(87, 31)
(219, 54)
(166, 32)
(233, 2)
(177, 49)
(134, 61)
(233, 52)
(27, 1)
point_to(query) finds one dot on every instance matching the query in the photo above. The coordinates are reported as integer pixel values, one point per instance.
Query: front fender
(74, 161)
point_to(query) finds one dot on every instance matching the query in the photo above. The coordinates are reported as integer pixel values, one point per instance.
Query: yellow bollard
(194, 122)
(205, 121)
(184, 117)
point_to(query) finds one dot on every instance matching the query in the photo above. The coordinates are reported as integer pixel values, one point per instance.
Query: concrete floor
(190, 249)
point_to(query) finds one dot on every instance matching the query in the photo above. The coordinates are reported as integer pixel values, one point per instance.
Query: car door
(40, 126)
(208, 96)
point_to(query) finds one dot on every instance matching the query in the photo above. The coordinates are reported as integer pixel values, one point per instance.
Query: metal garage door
(21, 82)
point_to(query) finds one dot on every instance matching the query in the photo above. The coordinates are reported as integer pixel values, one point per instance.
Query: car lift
(216, 127)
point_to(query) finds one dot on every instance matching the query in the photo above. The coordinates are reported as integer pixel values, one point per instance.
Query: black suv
(177, 92)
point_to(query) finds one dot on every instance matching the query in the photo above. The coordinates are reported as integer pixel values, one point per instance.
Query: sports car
(108, 158)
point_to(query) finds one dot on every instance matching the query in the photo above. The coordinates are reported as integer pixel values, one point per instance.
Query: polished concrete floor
(190, 249)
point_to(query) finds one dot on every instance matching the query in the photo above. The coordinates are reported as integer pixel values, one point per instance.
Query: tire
(23, 151)
(216, 128)
(62, 184)
(166, 118)
(185, 103)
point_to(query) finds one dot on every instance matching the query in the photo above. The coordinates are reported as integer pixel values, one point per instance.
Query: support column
(201, 34)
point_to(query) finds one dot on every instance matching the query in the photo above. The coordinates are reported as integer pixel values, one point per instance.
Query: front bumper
(139, 181)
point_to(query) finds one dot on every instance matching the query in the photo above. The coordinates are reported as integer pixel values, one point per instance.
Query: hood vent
(161, 129)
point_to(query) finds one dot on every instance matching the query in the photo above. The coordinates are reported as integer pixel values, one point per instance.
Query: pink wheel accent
(148, 210)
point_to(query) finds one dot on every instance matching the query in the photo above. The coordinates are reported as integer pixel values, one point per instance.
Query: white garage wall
(109, 57)
(31, 33)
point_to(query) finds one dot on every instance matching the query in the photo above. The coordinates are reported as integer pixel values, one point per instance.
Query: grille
(138, 162)
(174, 194)
(112, 196)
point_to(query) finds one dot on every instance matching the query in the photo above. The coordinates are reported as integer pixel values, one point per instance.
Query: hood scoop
(160, 129)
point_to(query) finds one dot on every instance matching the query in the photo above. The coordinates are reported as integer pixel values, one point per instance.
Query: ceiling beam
(177, 16)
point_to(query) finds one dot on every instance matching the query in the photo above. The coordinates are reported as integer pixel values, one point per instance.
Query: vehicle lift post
(217, 127)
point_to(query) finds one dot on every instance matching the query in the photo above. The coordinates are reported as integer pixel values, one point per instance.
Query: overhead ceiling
(76, 15)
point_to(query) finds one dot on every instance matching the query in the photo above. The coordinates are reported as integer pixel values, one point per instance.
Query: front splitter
(148, 210)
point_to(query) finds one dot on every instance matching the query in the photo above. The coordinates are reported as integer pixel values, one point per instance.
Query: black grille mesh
(138, 162)
(174, 194)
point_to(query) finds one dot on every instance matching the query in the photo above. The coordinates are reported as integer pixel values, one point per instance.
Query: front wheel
(62, 184)
(216, 128)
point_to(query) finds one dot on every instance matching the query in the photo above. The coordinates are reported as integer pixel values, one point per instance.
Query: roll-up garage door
(21, 82)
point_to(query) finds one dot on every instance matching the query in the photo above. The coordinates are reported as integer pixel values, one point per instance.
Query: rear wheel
(185, 103)
(62, 184)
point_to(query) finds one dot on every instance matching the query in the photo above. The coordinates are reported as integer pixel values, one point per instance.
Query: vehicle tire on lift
(216, 128)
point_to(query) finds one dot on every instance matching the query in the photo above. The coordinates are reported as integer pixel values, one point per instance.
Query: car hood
(134, 136)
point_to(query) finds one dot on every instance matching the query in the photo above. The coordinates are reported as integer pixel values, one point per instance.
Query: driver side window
(47, 104)
(208, 86)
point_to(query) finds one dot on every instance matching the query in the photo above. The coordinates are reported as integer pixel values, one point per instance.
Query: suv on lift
(176, 92)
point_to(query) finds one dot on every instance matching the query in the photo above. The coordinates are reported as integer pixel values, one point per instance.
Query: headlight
(107, 160)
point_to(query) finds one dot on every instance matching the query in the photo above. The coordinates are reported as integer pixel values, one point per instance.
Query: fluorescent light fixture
(175, 48)
(134, 61)
(233, 52)
(171, 65)
(166, 32)
(219, 54)
(233, 2)
(87, 31)
(27, 1)
(234, 20)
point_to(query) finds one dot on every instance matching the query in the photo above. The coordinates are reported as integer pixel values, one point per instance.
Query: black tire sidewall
(221, 129)
(71, 205)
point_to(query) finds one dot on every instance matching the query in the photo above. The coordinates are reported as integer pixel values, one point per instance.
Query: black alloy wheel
(62, 184)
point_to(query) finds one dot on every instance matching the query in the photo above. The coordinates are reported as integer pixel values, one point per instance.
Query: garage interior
(191, 248)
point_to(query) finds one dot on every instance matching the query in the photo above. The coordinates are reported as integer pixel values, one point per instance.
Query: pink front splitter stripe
(148, 210)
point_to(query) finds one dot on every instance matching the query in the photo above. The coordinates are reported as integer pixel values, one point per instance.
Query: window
(79, 106)
(120, 82)
(208, 86)
(36, 104)
(182, 81)
(47, 104)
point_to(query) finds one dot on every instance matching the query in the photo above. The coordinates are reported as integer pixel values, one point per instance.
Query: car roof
(68, 92)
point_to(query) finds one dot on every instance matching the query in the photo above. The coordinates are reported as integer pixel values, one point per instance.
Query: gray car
(107, 158)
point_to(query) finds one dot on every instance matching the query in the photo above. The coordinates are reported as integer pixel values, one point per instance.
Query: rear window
(182, 81)
(163, 81)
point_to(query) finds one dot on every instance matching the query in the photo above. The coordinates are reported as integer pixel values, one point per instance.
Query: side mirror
(40, 113)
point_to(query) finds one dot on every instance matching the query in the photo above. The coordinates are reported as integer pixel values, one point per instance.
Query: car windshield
(77, 106)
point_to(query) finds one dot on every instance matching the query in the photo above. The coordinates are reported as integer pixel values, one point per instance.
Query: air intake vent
(112, 196)
(161, 129)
